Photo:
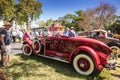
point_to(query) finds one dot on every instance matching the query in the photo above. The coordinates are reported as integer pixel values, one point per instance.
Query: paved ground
(16, 48)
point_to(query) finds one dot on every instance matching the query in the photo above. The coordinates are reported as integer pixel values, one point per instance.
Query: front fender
(29, 42)
(90, 51)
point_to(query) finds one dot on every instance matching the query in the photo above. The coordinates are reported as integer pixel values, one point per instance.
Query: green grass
(33, 67)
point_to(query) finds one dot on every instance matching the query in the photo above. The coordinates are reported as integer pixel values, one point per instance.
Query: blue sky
(58, 8)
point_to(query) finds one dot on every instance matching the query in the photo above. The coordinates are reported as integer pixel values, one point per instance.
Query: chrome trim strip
(54, 58)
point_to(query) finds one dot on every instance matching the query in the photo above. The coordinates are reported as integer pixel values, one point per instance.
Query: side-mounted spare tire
(36, 45)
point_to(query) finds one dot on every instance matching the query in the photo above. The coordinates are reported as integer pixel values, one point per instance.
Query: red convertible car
(87, 56)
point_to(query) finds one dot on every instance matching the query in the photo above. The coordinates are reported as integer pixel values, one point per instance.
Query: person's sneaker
(4, 65)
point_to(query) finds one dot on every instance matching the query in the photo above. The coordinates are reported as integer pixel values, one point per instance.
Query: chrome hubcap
(82, 65)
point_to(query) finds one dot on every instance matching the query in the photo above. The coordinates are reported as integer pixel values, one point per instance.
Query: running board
(54, 58)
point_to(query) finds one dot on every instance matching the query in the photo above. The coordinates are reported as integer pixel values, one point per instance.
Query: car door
(67, 44)
(61, 44)
(52, 43)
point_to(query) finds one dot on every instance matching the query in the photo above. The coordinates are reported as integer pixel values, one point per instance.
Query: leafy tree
(115, 27)
(23, 10)
(78, 18)
(66, 20)
(42, 23)
(49, 22)
(28, 10)
(7, 9)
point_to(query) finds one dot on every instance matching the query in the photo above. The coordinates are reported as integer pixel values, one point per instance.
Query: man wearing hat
(5, 43)
(72, 32)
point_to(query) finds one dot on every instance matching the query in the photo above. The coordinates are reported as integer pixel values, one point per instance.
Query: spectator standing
(5, 43)
(14, 35)
(20, 35)
(36, 33)
(109, 34)
(72, 32)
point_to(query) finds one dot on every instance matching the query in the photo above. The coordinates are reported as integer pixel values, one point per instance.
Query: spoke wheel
(36, 44)
(115, 50)
(26, 49)
(83, 64)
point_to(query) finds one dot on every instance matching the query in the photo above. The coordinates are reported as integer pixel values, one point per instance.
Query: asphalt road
(16, 48)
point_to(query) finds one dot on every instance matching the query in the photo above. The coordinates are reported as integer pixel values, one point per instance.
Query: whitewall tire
(36, 45)
(83, 64)
(115, 50)
(26, 49)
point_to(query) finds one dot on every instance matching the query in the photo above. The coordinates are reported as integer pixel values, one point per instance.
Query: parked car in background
(88, 56)
(112, 42)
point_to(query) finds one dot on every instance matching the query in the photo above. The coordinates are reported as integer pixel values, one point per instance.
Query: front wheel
(115, 49)
(26, 49)
(83, 64)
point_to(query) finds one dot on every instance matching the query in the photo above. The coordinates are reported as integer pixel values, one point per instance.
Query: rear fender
(90, 51)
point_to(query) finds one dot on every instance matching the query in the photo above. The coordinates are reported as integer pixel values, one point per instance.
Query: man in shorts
(5, 43)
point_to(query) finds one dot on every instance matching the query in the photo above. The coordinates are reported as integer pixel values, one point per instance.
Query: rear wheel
(84, 64)
(26, 49)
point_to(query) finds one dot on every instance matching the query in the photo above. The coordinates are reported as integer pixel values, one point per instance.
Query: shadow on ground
(60, 67)
(116, 75)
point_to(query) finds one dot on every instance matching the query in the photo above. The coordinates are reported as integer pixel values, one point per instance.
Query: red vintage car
(88, 56)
